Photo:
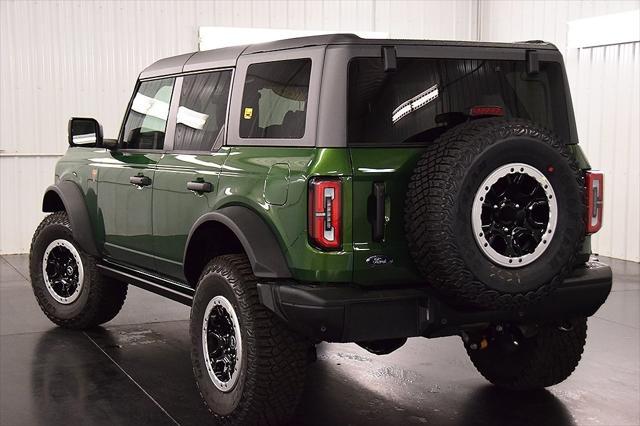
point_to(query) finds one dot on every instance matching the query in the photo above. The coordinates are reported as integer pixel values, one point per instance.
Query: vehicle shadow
(489, 405)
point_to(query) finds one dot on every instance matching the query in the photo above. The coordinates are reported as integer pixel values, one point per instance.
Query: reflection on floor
(136, 370)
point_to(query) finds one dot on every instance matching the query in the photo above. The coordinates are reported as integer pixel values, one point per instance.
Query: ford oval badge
(379, 259)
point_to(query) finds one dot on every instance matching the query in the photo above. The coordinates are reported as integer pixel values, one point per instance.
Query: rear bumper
(352, 314)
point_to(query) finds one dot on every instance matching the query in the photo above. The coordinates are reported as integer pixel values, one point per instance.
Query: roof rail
(532, 42)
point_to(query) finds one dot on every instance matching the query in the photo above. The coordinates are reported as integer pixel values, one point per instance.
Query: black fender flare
(257, 239)
(73, 203)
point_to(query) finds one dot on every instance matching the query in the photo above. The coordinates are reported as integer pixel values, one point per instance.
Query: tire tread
(278, 365)
(431, 204)
(106, 296)
(553, 356)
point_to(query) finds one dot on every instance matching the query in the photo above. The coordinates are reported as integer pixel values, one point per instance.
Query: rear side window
(200, 119)
(147, 119)
(425, 97)
(274, 100)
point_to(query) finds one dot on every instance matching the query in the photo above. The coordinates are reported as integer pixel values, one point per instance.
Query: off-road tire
(438, 213)
(100, 298)
(273, 368)
(545, 359)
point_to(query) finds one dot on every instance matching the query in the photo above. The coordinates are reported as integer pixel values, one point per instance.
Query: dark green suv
(335, 189)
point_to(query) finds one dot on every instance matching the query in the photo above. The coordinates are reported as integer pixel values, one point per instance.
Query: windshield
(423, 98)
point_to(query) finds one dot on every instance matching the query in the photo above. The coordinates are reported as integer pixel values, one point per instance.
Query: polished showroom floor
(136, 370)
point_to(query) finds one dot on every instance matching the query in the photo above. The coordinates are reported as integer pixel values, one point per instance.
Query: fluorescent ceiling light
(86, 138)
(415, 103)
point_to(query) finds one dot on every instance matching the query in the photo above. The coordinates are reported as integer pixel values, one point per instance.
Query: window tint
(425, 97)
(202, 111)
(147, 119)
(274, 101)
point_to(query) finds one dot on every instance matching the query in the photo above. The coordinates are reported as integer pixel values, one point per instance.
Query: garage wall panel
(605, 89)
(510, 20)
(606, 95)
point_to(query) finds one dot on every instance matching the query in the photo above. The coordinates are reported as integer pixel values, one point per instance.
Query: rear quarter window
(274, 100)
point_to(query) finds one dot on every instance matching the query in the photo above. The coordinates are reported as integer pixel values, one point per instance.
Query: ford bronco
(332, 188)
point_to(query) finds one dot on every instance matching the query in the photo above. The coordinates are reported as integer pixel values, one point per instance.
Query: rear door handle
(140, 180)
(199, 186)
(378, 221)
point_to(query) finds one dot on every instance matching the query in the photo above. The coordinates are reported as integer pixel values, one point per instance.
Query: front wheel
(543, 356)
(249, 366)
(65, 280)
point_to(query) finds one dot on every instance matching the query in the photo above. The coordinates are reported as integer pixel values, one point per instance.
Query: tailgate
(383, 258)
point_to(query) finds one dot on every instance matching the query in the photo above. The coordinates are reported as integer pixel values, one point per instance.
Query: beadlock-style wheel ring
(514, 215)
(62, 271)
(222, 343)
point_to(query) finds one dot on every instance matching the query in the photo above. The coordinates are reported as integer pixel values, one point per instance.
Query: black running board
(153, 283)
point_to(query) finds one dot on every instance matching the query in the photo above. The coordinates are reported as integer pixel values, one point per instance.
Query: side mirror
(86, 132)
(110, 144)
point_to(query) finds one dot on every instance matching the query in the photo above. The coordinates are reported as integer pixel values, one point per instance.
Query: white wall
(72, 58)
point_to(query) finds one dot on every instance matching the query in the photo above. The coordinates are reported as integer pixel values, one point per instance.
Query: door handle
(140, 180)
(378, 221)
(199, 186)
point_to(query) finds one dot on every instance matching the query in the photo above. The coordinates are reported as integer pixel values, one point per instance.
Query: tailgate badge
(379, 259)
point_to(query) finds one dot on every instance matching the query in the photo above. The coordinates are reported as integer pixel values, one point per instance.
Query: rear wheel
(249, 366)
(65, 280)
(544, 358)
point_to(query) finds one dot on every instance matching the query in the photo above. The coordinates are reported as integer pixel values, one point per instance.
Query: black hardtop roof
(227, 56)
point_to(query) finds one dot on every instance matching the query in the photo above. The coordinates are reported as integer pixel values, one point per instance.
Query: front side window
(274, 101)
(147, 119)
(202, 111)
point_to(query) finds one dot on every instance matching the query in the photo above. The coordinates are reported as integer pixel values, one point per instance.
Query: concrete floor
(136, 370)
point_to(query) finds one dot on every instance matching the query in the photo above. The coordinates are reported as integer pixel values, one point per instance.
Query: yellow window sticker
(248, 113)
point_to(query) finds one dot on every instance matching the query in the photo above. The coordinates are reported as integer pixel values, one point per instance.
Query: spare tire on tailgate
(495, 213)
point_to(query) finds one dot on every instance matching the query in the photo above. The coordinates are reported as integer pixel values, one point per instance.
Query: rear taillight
(325, 213)
(594, 182)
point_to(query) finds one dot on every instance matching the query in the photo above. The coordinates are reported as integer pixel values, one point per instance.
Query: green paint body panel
(175, 208)
(123, 209)
(579, 156)
(150, 231)
(242, 182)
(148, 227)
(392, 167)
